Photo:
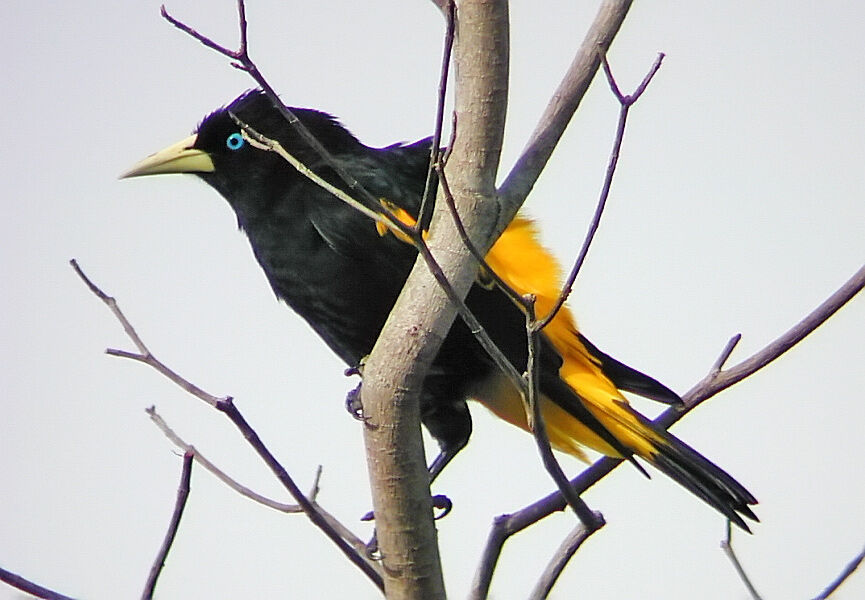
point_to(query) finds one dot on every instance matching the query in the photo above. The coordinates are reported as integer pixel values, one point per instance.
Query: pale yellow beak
(177, 158)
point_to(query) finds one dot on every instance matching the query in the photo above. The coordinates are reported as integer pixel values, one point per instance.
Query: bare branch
(358, 544)
(111, 303)
(626, 102)
(312, 511)
(34, 589)
(219, 473)
(564, 103)
(144, 355)
(564, 553)
(727, 547)
(226, 406)
(379, 213)
(814, 319)
(423, 314)
(435, 162)
(849, 569)
(499, 533)
(842, 577)
(534, 417)
(725, 353)
(174, 524)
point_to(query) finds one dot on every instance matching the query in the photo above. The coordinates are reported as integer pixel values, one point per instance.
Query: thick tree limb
(423, 313)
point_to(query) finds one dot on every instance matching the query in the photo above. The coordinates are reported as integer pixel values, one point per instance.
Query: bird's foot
(353, 404)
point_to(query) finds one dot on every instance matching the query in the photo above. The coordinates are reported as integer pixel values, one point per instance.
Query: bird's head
(220, 153)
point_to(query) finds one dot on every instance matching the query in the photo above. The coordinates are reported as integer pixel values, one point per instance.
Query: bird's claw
(444, 504)
(353, 404)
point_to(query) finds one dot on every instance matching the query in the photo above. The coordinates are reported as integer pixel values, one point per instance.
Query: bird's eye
(235, 141)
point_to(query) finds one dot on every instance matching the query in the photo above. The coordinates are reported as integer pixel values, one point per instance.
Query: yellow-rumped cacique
(342, 273)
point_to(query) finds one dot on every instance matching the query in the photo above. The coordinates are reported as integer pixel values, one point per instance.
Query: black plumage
(342, 275)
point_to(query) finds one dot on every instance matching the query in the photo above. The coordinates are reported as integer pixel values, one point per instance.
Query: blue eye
(235, 141)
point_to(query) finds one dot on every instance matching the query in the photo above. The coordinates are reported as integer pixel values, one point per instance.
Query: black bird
(342, 273)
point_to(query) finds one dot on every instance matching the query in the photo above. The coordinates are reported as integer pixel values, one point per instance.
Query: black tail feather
(629, 379)
(702, 477)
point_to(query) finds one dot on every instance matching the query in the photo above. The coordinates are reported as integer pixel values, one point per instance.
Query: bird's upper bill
(181, 157)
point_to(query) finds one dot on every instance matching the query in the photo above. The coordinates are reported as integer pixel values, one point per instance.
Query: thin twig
(499, 534)
(241, 489)
(226, 406)
(174, 524)
(243, 62)
(34, 589)
(842, 577)
(591, 521)
(625, 105)
(481, 260)
(564, 102)
(435, 162)
(111, 303)
(143, 355)
(725, 354)
(727, 547)
(379, 214)
(559, 561)
(230, 410)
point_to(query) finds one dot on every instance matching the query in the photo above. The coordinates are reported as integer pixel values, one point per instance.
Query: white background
(738, 207)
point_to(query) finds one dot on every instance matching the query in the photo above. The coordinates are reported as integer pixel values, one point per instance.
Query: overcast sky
(738, 207)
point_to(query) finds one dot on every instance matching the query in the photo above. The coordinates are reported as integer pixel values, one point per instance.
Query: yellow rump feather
(529, 268)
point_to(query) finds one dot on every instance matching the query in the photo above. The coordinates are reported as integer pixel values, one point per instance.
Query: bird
(342, 272)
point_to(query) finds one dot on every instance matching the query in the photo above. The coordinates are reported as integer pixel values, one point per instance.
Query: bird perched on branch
(342, 273)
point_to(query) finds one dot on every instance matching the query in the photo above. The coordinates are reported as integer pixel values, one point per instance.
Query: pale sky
(738, 207)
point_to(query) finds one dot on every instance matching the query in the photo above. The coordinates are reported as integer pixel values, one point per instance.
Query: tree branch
(34, 589)
(842, 577)
(358, 544)
(727, 547)
(592, 521)
(625, 103)
(423, 314)
(525, 172)
(557, 564)
(174, 524)
(715, 381)
(226, 406)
